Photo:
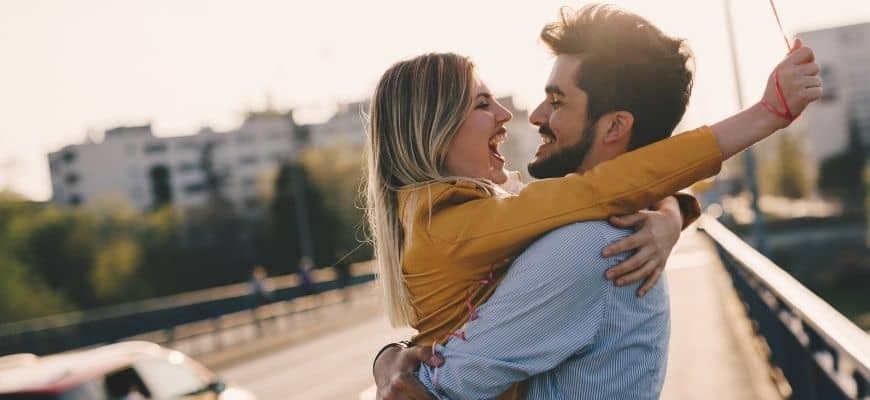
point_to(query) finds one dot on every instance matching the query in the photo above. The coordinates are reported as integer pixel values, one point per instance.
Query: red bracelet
(787, 115)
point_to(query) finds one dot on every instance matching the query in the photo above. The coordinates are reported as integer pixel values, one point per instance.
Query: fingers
(423, 354)
(646, 271)
(636, 261)
(811, 94)
(799, 56)
(798, 43)
(808, 69)
(627, 221)
(651, 281)
(811, 81)
(632, 242)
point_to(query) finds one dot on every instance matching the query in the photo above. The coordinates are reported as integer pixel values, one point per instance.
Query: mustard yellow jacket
(455, 232)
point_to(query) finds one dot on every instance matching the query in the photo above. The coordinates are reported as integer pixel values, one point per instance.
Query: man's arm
(533, 321)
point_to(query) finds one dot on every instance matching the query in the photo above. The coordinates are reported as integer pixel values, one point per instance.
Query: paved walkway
(712, 353)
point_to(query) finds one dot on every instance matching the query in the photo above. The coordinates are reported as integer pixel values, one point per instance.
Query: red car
(122, 371)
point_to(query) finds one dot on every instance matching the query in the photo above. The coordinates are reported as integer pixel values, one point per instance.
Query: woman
(443, 227)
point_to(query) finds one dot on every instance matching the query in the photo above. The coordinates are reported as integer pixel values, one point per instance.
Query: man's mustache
(545, 130)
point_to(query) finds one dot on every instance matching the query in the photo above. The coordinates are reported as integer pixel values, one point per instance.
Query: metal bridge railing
(106, 325)
(816, 349)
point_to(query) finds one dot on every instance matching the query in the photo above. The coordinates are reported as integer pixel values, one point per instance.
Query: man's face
(562, 122)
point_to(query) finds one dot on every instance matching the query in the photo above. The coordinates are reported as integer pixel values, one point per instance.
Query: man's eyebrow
(553, 89)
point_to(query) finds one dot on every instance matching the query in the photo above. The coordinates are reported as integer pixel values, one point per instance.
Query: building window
(75, 199)
(829, 82)
(186, 167)
(244, 138)
(249, 182)
(68, 156)
(187, 144)
(153, 148)
(161, 189)
(252, 203)
(215, 142)
(194, 188)
(71, 178)
(279, 158)
(248, 160)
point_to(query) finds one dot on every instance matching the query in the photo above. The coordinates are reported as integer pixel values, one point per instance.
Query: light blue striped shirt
(556, 320)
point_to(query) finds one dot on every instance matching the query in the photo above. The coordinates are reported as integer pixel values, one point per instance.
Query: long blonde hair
(416, 110)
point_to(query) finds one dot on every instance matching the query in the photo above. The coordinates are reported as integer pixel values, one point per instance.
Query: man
(617, 83)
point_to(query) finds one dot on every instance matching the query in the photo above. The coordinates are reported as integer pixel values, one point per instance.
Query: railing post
(216, 328)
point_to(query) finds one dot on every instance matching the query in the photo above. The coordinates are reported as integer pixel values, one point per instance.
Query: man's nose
(539, 116)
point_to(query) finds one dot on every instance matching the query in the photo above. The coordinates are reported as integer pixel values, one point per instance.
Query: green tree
(842, 174)
(23, 292)
(785, 174)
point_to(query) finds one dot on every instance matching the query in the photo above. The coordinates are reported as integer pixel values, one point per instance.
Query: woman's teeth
(497, 139)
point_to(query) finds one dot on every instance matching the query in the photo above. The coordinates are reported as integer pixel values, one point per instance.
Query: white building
(844, 56)
(148, 171)
(131, 163)
(345, 128)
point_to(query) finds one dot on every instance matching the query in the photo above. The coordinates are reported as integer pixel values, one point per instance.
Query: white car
(122, 371)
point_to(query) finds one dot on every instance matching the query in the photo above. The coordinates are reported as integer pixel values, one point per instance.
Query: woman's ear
(620, 124)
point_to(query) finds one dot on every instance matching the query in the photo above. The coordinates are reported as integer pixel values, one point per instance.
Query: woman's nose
(505, 114)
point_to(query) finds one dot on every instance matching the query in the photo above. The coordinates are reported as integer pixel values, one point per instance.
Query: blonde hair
(416, 110)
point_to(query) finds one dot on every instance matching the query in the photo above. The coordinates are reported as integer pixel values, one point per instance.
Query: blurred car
(121, 371)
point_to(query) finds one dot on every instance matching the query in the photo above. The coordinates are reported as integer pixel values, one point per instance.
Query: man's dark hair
(627, 64)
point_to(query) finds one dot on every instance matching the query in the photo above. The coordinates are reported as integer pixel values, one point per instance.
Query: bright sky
(67, 67)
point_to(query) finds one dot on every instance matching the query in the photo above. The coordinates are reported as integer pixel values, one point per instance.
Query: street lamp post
(758, 233)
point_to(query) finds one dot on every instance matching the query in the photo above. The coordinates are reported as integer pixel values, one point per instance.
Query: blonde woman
(442, 227)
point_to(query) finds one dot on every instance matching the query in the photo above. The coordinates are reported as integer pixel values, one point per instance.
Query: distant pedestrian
(306, 280)
(261, 287)
(342, 274)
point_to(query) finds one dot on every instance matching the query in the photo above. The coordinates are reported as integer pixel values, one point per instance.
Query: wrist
(670, 208)
(766, 120)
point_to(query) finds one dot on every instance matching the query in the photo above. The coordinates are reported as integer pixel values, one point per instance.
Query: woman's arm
(486, 230)
(489, 229)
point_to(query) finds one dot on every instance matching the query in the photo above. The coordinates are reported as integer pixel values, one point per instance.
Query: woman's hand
(656, 234)
(395, 373)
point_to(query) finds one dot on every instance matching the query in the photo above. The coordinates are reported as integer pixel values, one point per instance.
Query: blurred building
(149, 171)
(345, 128)
(843, 54)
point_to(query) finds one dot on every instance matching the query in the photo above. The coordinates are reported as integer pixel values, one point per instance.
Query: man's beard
(564, 161)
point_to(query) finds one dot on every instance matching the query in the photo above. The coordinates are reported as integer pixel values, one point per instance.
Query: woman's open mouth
(494, 142)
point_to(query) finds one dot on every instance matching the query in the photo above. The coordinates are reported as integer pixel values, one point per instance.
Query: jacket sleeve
(486, 230)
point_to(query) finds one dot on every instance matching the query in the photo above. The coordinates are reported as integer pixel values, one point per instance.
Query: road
(336, 365)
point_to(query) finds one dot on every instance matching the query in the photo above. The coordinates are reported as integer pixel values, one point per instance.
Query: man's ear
(619, 126)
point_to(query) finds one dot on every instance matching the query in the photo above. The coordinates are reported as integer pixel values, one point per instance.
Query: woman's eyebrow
(484, 94)
(553, 89)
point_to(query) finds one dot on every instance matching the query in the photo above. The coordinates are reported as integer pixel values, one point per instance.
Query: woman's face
(474, 152)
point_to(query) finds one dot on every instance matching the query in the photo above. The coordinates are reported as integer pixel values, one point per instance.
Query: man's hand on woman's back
(395, 373)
